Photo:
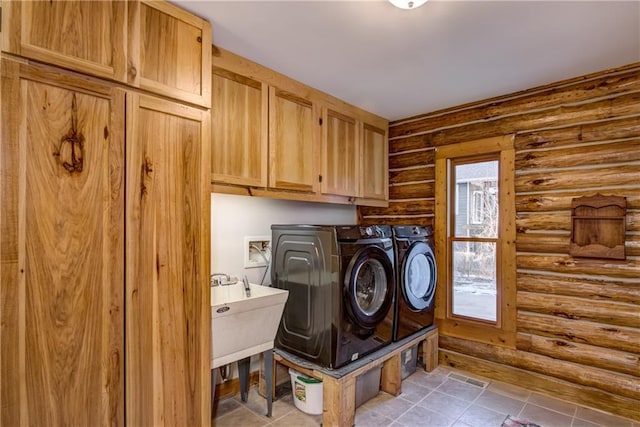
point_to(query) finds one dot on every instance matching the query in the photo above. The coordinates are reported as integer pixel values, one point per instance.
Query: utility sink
(243, 325)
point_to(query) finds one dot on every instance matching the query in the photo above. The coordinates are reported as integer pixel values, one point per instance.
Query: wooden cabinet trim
(230, 75)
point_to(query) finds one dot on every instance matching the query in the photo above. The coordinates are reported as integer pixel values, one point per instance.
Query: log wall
(578, 319)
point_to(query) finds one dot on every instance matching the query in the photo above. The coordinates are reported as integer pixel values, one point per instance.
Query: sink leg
(268, 377)
(213, 389)
(243, 373)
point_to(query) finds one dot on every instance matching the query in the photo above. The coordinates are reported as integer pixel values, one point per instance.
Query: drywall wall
(234, 217)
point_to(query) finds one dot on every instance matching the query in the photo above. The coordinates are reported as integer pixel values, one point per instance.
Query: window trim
(504, 332)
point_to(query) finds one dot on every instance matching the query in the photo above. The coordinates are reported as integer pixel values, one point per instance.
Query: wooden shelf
(339, 385)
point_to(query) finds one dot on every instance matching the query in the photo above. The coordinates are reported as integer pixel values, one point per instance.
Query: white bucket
(307, 393)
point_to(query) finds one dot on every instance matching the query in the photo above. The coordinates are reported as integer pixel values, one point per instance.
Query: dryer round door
(418, 276)
(369, 286)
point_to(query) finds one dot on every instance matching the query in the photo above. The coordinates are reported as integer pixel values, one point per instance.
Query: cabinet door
(339, 154)
(292, 142)
(375, 176)
(61, 258)
(170, 52)
(239, 130)
(168, 313)
(85, 36)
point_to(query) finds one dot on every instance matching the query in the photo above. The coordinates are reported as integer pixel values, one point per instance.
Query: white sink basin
(242, 326)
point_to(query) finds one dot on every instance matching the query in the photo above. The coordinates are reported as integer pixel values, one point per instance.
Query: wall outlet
(256, 251)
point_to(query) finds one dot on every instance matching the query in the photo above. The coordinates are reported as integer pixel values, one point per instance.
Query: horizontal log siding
(578, 320)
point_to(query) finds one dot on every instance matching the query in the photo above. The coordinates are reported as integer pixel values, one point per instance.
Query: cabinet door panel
(340, 155)
(170, 51)
(374, 179)
(86, 36)
(292, 142)
(239, 130)
(62, 268)
(167, 284)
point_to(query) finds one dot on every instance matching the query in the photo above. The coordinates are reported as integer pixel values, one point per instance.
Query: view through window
(474, 238)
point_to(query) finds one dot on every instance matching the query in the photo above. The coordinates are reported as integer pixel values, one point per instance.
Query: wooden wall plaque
(598, 227)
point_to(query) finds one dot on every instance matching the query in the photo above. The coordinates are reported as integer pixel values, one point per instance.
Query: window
(475, 239)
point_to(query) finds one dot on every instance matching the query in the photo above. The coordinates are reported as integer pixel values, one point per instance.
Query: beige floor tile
(544, 417)
(224, 406)
(389, 406)
(478, 416)
(510, 390)
(296, 418)
(419, 416)
(601, 418)
(258, 405)
(552, 403)
(577, 422)
(430, 380)
(500, 403)
(449, 406)
(414, 392)
(239, 417)
(367, 417)
(460, 390)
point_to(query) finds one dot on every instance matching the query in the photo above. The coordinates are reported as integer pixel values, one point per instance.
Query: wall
(233, 217)
(578, 320)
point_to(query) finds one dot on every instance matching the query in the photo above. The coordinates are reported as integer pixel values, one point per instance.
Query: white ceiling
(400, 63)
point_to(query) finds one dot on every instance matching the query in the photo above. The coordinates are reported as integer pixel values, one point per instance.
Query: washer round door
(418, 276)
(369, 286)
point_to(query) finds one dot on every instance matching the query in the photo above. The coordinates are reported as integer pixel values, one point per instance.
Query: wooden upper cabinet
(168, 318)
(282, 139)
(85, 36)
(374, 177)
(62, 227)
(239, 129)
(340, 151)
(153, 45)
(169, 52)
(292, 142)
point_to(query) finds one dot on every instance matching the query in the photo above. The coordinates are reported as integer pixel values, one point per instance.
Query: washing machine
(341, 283)
(416, 275)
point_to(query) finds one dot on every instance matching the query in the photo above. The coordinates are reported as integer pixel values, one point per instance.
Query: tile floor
(440, 398)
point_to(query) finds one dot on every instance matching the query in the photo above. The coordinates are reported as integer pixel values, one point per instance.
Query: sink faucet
(216, 281)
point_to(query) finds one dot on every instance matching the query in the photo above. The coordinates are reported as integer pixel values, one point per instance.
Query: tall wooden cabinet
(167, 258)
(63, 239)
(104, 261)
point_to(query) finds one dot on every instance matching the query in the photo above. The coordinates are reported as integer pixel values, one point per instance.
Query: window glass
(476, 201)
(474, 280)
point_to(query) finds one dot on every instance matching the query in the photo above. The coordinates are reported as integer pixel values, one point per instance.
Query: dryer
(416, 275)
(341, 283)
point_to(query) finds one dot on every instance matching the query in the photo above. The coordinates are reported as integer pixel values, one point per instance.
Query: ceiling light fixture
(407, 4)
